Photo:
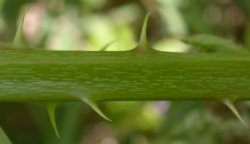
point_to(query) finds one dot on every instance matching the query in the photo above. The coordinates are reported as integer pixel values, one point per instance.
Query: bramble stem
(27, 75)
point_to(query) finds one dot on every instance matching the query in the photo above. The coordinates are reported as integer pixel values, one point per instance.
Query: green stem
(118, 76)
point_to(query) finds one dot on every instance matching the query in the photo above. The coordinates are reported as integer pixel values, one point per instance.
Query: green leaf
(211, 43)
(51, 107)
(4, 138)
(230, 105)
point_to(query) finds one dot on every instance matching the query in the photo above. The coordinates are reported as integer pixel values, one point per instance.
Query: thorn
(51, 107)
(18, 39)
(230, 105)
(143, 44)
(93, 105)
(4, 138)
(105, 47)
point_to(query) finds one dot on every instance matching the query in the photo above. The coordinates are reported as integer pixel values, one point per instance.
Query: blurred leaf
(10, 10)
(247, 36)
(71, 131)
(193, 13)
(211, 43)
(245, 6)
(172, 17)
(178, 111)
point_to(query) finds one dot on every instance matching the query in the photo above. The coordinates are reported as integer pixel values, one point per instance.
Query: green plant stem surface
(30, 75)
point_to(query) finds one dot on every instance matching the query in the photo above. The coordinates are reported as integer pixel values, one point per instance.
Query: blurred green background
(88, 25)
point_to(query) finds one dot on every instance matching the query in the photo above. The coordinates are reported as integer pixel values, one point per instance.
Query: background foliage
(89, 25)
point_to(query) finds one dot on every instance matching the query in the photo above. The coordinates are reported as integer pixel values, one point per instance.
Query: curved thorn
(51, 107)
(143, 41)
(18, 39)
(93, 105)
(105, 47)
(230, 105)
